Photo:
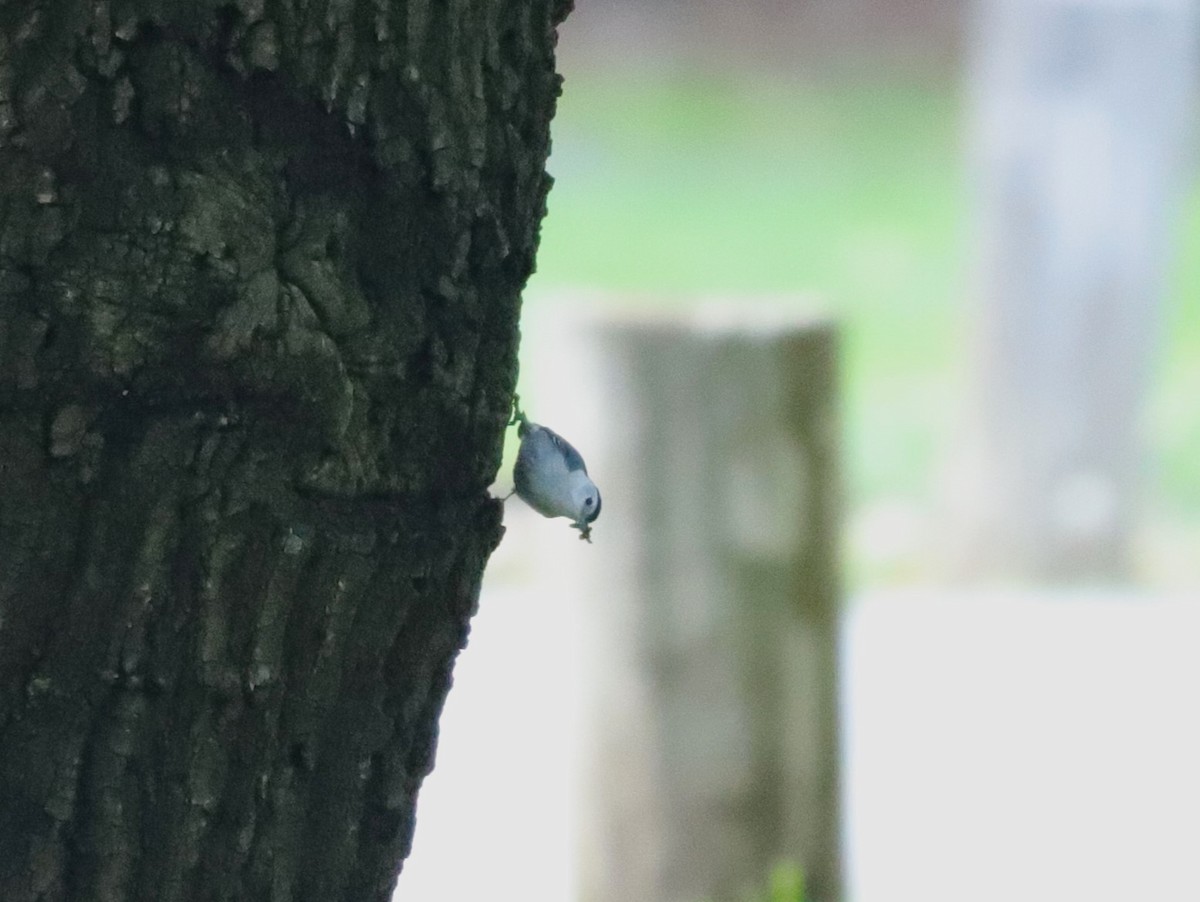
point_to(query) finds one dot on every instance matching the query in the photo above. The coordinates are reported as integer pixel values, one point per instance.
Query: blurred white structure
(711, 593)
(1083, 113)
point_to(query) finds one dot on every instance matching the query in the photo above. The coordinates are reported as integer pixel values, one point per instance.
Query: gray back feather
(572, 457)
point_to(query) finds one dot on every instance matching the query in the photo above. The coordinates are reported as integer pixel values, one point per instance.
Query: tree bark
(260, 266)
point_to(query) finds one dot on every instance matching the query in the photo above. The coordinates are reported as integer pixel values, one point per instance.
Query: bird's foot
(518, 417)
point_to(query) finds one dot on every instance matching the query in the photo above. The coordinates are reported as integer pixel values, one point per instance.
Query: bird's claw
(518, 417)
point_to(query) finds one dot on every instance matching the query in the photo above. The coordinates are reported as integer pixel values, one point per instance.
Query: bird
(551, 477)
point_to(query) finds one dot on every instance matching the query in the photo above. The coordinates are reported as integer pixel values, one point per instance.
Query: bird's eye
(589, 502)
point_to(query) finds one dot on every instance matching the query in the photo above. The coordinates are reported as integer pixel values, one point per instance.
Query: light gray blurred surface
(1023, 746)
(1031, 747)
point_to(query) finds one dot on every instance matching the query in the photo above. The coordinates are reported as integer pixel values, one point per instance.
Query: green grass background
(853, 192)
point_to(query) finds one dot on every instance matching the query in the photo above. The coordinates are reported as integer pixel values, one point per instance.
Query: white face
(591, 506)
(587, 501)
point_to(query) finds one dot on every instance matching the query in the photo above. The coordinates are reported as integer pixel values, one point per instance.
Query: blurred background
(989, 210)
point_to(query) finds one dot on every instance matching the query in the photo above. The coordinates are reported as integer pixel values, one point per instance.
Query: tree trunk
(260, 267)
(710, 598)
(1082, 119)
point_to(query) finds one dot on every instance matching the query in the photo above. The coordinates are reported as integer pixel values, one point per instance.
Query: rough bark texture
(260, 265)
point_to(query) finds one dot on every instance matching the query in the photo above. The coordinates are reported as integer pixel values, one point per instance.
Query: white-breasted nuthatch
(551, 477)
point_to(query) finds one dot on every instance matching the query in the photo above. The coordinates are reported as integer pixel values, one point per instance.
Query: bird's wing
(572, 458)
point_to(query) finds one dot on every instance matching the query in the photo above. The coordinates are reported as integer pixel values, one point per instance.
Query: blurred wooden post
(712, 592)
(1083, 113)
